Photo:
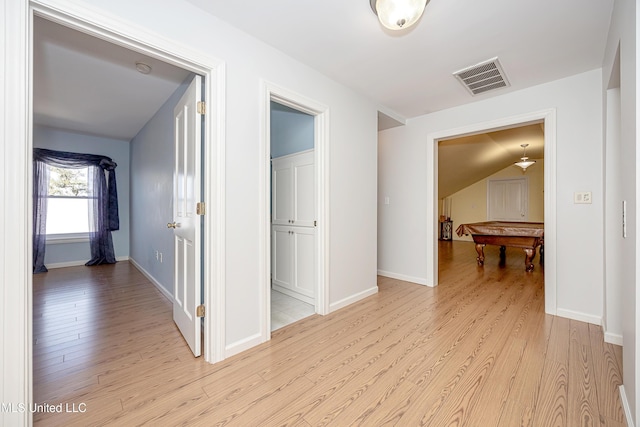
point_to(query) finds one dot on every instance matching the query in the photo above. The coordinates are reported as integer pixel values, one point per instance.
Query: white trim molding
(15, 219)
(611, 338)
(77, 263)
(244, 344)
(547, 116)
(576, 315)
(353, 298)
(625, 406)
(320, 112)
(153, 280)
(403, 277)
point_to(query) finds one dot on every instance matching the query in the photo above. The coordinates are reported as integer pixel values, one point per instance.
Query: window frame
(77, 237)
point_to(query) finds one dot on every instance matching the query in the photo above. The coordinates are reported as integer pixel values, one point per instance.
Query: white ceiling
(410, 72)
(84, 84)
(87, 85)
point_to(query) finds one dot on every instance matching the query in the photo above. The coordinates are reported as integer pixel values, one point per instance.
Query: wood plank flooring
(476, 351)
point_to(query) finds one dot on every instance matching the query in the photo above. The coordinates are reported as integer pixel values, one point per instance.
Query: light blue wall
(152, 194)
(118, 150)
(291, 131)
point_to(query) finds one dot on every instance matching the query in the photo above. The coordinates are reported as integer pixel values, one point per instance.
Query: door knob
(171, 225)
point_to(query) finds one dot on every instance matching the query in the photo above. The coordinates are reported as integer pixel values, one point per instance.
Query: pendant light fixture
(398, 14)
(524, 162)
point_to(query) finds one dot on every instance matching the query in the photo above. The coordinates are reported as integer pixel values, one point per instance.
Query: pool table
(525, 235)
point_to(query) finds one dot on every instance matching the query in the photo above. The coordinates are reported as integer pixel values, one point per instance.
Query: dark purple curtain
(103, 207)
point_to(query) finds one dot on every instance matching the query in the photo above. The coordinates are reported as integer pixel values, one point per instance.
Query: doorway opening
(295, 220)
(293, 215)
(435, 195)
(137, 40)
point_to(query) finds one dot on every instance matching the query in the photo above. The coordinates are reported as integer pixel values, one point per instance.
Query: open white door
(186, 223)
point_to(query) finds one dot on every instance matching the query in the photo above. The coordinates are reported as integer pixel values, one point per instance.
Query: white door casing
(321, 114)
(547, 116)
(186, 222)
(507, 199)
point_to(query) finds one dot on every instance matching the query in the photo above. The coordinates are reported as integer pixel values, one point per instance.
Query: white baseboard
(78, 263)
(626, 407)
(242, 345)
(152, 279)
(293, 294)
(613, 338)
(576, 315)
(403, 277)
(353, 298)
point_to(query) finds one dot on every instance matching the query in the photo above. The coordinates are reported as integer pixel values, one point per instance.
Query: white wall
(118, 151)
(353, 155)
(403, 154)
(623, 33)
(152, 162)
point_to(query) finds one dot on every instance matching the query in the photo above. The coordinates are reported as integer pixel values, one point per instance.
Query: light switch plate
(583, 197)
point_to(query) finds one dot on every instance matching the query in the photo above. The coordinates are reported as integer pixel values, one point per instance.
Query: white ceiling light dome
(398, 14)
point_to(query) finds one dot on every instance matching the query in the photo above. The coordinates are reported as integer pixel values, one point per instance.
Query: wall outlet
(582, 197)
(157, 255)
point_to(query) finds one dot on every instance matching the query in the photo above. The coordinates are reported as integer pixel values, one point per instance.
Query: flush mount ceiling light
(143, 68)
(398, 14)
(524, 162)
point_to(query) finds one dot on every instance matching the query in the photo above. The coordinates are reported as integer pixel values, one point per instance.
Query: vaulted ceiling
(466, 160)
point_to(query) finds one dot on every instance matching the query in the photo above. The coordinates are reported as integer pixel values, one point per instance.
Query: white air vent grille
(483, 77)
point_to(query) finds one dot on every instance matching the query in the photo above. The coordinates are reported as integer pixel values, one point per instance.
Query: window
(68, 198)
(81, 189)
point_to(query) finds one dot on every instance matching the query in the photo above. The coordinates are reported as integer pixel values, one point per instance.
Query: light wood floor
(476, 351)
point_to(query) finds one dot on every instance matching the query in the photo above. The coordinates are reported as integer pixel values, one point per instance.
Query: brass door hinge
(200, 311)
(200, 208)
(202, 107)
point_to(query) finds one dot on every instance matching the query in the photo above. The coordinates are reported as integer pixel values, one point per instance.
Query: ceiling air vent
(483, 77)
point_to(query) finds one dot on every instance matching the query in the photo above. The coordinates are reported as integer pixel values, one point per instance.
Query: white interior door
(508, 199)
(186, 221)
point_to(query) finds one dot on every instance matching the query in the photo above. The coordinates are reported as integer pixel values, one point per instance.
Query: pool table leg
(480, 250)
(528, 260)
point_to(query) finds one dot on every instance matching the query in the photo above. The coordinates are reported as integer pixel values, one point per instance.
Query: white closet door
(281, 256)
(304, 260)
(282, 193)
(508, 199)
(293, 257)
(304, 201)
